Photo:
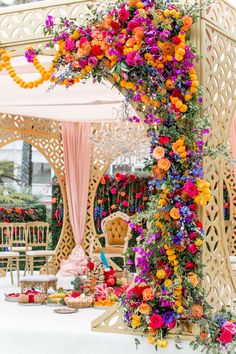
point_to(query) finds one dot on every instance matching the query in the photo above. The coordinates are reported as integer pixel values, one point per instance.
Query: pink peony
(69, 44)
(156, 321)
(190, 189)
(192, 248)
(226, 336)
(230, 326)
(123, 14)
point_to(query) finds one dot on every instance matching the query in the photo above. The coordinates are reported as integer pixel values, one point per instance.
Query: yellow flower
(180, 309)
(169, 84)
(162, 343)
(198, 242)
(161, 274)
(144, 309)
(136, 321)
(166, 12)
(167, 283)
(151, 340)
(178, 104)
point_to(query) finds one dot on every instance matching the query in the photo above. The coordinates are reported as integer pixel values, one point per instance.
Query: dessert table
(38, 330)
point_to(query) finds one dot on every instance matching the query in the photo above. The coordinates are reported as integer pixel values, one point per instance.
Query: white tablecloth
(38, 330)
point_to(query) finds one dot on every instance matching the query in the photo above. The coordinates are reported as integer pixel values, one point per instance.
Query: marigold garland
(145, 47)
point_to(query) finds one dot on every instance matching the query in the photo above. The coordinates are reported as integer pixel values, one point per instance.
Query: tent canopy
(86, 101)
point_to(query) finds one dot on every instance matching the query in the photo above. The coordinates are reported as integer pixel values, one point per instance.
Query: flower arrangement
(128, 193)
(57, 212)
(144, 47)
(23, 214)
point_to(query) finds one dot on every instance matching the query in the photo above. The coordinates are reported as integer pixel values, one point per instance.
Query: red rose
(199, 224)
(104, 200)
(176, 93)
(156, 321)
(190, 189)
(90, 265)
(118, 201)
(59, 224)
(1, 209)
(6, 220)
(75, 294)
(96, 50)
(193, 207)
(106, 177)
(226, 336)
(164, 140)
(115, 25)
(190, 265)
(176, 40)
(123, 14)
(193, 235)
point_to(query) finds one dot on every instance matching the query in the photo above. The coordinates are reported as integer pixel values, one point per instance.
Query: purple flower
(200, 100)
(30, 54)
(92, 61)
(168, 317)
(49, 23)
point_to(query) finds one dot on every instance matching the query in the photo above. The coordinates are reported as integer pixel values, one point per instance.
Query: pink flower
(133, 24)
(69, 44)
(230, 326)
(226, 336)
(113, 190)
(104, 213)
(192, 248)
(92, 61)
(125, 203)
(190, 189)
(156, 321)
(138, 196)
(134, 58)
(193, 235)
(123, 14)
(172, 324)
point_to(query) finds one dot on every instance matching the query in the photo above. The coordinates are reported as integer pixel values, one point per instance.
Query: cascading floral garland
(145, 47)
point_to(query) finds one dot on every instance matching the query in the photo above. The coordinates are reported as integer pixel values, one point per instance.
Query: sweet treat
(32, 297)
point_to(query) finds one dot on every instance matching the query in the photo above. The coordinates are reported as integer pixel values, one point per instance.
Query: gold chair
(8, 258)
(19, 238)
(37, 246)
(117, 234)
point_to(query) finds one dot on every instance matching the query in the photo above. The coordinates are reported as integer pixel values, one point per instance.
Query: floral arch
(133, 42)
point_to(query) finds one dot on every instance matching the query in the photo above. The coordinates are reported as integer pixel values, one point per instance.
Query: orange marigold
(158, 172)
(167, 48)
(196, 311)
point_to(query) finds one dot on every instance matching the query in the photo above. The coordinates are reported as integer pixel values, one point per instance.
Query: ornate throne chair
(116, 233)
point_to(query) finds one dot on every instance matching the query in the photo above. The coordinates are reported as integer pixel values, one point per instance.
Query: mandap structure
(214, 37)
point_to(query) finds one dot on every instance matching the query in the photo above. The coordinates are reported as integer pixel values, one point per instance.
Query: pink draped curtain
(233, 143)
(77, 148)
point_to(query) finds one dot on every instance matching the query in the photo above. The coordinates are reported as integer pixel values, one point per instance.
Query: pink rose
(138, 196)
(123, 14)
(113, 190)
(190, 189)
(156, 321)
(125, 203)
(192, 248)
(226, 336)
(193, 235)
(133, 24)
(230, 326)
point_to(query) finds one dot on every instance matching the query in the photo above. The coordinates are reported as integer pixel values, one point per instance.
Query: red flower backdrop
(128, 193)
(145, 47)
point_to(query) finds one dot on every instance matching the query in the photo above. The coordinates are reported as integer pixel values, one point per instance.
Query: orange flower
(193, 278)
(164, 164)
(54, 200)
(158, 152)
(187, 21)
(148, 294)
(203, 335)
(138, 33)
(158, 172)
(174, 213)
(167, 48)
(144, 309)
(103, 181)
(113, 207)
(9, 211)
(196, 311)
(17, 210)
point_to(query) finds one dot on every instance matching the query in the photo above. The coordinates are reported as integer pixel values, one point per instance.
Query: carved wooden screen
(218, 76)
(45, 136)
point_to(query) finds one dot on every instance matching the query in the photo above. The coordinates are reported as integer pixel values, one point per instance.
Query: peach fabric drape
(233, 143)
(77, 148)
